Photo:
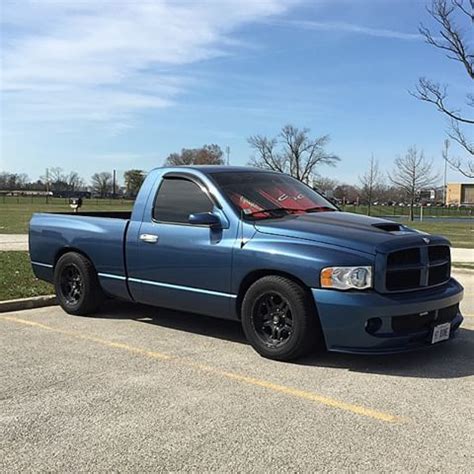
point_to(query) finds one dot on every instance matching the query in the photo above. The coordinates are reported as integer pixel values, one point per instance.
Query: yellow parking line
(104, 342)
(291, 391)
(295, 392)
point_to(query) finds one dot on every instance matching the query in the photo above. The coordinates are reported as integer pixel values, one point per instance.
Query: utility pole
(445, 157)
(227, 150)
(47, 185)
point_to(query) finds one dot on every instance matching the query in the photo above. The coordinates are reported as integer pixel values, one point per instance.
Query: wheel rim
(272, 319)
(71, 284)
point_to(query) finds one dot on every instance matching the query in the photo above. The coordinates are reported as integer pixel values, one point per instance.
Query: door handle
(149, 238)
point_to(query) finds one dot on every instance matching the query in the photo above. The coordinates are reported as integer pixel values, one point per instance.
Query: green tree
(133, 180)
(102, 183)
(206, 155)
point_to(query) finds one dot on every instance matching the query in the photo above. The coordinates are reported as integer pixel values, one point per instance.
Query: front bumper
(344, 317)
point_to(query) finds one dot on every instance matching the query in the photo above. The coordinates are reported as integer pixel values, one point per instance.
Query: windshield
(261, 195)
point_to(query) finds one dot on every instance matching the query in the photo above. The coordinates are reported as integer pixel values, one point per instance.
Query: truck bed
(98, 235)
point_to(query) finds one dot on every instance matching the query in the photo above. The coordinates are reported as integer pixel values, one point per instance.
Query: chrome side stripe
(112, 276)
(183, 288)
(39, 264)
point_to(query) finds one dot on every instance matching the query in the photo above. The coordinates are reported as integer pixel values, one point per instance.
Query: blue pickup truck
(262, 248)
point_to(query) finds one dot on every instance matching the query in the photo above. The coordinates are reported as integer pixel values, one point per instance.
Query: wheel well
(66, 250)
(252, 277)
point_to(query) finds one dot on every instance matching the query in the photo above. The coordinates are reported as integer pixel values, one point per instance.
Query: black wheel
(279, 319)
(77, 287)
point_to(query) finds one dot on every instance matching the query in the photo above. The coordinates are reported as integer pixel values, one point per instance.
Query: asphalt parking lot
(141, 389)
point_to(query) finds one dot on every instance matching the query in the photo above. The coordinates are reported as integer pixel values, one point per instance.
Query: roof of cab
(216, 168)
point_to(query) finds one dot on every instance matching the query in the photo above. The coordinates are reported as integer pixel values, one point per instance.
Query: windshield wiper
(279, 210)
(319, 209)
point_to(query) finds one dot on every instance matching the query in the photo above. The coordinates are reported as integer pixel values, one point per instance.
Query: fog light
(372, 325)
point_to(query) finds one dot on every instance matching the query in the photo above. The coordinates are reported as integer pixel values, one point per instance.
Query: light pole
(445, 157)
(47, 185)
(227, 151)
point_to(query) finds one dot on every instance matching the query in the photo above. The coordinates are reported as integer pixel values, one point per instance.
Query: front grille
(417, 267)
(424, 321)
(404, 257)
(438, 253)
(438, 274)
(398, 280)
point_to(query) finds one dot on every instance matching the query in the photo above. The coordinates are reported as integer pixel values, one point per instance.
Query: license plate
(440, 333)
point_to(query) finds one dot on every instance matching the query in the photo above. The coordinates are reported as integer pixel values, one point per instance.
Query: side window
(177, 198)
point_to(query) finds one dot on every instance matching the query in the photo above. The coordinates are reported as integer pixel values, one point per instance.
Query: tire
(77, 286)
(268, 330)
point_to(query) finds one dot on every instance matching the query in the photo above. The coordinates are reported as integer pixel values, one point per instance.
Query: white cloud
(105, 60)
(343, 27)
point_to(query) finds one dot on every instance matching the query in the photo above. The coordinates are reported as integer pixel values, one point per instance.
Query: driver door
(181, 265)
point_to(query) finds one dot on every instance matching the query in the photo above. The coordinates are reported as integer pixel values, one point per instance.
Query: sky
(96, 85)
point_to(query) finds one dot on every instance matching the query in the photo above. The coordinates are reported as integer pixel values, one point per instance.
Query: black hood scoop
(389, 226)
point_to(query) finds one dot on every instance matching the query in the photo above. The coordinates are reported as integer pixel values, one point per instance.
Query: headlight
(346, 278)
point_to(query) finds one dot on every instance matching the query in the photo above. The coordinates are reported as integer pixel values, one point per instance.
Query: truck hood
(343, 229)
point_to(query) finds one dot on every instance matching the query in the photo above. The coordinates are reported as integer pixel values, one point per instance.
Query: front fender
(301, 259)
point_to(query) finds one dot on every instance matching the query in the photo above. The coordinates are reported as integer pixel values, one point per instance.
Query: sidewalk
(13, 242)
(20, 242)
(462, 255)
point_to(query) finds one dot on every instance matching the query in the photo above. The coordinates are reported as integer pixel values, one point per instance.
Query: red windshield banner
(276, 196)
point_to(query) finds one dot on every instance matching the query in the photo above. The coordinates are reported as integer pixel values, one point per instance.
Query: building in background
(458, 194)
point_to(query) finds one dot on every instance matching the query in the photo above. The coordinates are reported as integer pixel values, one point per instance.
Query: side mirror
(205, 218)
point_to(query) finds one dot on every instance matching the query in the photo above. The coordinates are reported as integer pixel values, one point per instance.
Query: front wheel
(77, 287)
(279, 319)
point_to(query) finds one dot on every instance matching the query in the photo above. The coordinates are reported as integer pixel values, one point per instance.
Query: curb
(466, 271)
(27, 303)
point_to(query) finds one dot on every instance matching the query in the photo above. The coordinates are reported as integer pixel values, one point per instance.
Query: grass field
(461, 234)
(15, 213)
(17, 279)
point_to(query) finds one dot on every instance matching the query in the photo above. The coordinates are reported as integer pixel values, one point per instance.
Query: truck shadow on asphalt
(451, 359)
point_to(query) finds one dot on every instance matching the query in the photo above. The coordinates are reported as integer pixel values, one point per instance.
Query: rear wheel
(279, 320)
(76, 283)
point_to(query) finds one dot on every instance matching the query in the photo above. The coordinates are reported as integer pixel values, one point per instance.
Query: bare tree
(449, 15)
(347, 194)
(74, 181)
(102, 183)
(206, 155)
(57, 175)
(412, 173)
(13, 181)
(371, 183)
(293, 151)
(325, 186)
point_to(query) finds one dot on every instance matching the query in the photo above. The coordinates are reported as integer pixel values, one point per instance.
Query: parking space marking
(295, 392)
(291, 391)
(104, 342)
